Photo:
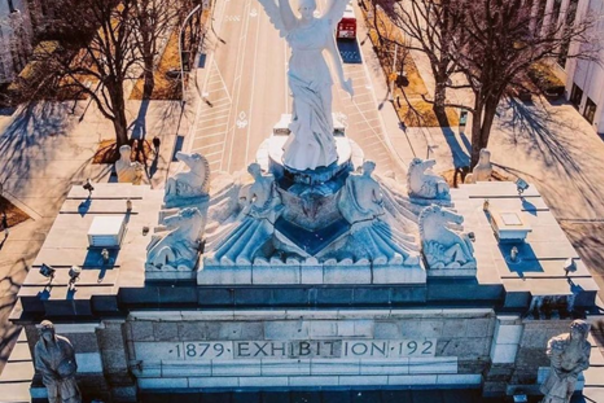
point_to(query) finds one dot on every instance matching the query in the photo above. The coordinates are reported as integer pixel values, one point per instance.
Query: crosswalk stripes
(212, 125)
(363, 115)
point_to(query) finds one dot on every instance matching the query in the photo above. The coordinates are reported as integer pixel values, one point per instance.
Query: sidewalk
(44, 150)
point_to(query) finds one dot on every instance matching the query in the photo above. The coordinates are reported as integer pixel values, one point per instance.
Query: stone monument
(177, 247)
(55, 360)
(185, 186)
(422, 183)
(310, 270)
(442, 247)
(311, 144)
(361, 198)
(126, 170)
(569, 356)
(483, 170)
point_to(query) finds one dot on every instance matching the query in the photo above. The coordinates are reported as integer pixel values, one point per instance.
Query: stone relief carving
(54, 358)
(177, 248)
(262, 199)
(126, 170)
(261, 207)
(442, 247)
(193, 183)
(361, 197)
(569, 356)
(483, 170)
(311, 143)
(423, 183)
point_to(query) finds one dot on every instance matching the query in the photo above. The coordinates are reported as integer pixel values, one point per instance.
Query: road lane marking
(237, 82)
(247, 144)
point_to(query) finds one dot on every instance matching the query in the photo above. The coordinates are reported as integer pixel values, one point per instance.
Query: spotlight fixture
(88, 186)
(521, 185)
(47, 271)
(74, 273)
(128, 205)
(105, 256)
(570, 266)
(514, 254)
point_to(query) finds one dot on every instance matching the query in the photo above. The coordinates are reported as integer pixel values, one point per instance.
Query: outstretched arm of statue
(332, 48)
(287, 15)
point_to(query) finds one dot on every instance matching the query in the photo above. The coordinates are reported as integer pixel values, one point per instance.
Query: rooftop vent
(107, 231)
(509, 226)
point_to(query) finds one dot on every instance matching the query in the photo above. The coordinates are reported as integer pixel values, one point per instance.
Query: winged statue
(311, 143)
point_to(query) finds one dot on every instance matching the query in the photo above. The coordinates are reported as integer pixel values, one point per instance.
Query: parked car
(347, 27)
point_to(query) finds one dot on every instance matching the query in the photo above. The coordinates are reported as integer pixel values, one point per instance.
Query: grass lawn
(165, 89)
(14, 215)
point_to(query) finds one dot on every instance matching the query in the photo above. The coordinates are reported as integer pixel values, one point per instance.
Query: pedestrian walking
(5, 224)
(156, 144)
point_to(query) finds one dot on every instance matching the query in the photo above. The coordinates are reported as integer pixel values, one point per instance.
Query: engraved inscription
(263, 349)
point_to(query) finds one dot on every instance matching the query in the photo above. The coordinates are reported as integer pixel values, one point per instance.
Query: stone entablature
(245, 348)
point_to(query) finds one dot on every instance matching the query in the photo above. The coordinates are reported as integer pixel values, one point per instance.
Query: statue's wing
(335, 12)
(274, 15)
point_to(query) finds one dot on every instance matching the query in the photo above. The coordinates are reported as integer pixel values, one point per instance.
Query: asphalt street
(245, 91)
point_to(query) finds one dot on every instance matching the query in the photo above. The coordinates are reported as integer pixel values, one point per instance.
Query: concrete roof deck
(67, 245)
(539, 269)
(109, 289)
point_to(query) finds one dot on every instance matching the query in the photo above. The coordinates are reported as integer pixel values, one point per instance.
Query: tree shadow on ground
(547, 137)
(10, 283)
(459, 152)
(27, 134)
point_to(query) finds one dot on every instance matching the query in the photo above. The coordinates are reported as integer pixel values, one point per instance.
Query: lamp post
(182, 68)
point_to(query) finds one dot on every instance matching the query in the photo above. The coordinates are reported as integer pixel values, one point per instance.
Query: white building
(584, 79)
(15, 38)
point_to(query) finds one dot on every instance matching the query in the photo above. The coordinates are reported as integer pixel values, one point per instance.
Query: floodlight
(521, 185)
(514, 254)
(570, 266)
(74, 273)
(88, 186)
(47, 270)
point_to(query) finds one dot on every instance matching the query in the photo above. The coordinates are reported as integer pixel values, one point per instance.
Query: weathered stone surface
(141, 330)
(83, 342)
(463, 347)
(165, 331)
(386, 330)
(191, 331)
(428, 328)
(285, 330)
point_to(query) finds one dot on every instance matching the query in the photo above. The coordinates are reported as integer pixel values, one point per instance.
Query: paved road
(245, 92)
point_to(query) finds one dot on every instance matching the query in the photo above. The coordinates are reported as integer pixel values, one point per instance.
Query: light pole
(182, 67)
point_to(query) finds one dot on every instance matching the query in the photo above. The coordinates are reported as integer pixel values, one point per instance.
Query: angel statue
(311, 143)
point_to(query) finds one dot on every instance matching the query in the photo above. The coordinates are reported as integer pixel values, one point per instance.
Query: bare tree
(154, 21)
(428, 27)
(102, 57)
(499, 41)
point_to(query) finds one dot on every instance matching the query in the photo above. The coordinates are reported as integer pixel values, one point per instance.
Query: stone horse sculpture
(193, 183)
(423, 183)
(441, 246)
(178, 247)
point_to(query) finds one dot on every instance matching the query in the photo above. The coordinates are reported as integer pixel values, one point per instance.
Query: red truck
(347, 27)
